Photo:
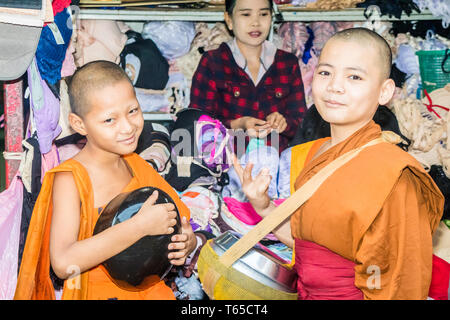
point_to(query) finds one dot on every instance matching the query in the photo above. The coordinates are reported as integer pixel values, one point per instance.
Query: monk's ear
(77, 123)
(386, 92)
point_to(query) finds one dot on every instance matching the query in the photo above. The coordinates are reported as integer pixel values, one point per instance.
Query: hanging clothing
(45, 108)
(379, 212)
(30, 171)
(34, 280)
(11, 204)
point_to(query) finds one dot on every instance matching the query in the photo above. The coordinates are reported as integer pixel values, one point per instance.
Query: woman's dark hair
(230, 4)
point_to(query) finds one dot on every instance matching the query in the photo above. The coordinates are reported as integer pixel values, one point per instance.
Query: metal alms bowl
(146, 261)
(258, 265)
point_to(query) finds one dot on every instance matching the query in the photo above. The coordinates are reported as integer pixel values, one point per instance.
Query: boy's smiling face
(348, 86)
(114, 121)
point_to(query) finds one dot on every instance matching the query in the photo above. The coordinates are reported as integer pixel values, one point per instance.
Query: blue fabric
(308, 46)
(49, 54)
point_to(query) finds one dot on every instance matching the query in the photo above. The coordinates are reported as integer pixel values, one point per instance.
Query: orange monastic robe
(378, 211)
(34, 281)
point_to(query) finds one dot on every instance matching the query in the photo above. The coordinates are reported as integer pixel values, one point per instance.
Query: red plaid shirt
(222, 88)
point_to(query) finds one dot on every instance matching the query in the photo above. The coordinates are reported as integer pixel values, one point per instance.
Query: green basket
(434, 68)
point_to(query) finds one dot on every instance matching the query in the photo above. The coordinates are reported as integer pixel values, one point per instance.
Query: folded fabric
(204, 207)
(68, 151)
(173, 38)
(323, 30)
(238, 214)
(406, 60)
(49, 160)
(68, 67)
(294, 35)
(99, 40)
(145, 65)
(244, 210)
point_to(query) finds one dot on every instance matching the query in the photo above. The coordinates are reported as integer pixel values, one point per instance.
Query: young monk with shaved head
(366, 233)
(106, 111)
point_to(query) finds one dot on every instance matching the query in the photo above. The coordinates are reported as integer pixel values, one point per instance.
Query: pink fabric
(49, 160)
(10, 217)
(439, 287)
(68, 66)
(68, 151)
(99, 40)
(323, 30)
(294, 35)
(323, 274)
(244, 210)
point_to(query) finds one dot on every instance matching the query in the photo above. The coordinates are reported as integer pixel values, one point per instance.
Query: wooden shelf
(215, 13)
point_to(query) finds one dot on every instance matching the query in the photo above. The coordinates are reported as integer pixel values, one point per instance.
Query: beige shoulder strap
(296, 200)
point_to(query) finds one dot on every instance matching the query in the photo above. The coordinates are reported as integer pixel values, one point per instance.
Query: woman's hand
(277, 121)
(254, 127)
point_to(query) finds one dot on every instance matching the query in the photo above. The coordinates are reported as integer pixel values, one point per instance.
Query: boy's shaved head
(92, 77)
(372, 40)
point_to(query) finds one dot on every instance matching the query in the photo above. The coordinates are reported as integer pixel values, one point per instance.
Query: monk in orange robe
(106, 111)
(366, 233)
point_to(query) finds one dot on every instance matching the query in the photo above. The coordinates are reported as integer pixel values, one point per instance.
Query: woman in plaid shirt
(248, 83)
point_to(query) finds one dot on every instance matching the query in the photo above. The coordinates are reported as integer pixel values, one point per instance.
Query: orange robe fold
(34, 280)
(379, 211)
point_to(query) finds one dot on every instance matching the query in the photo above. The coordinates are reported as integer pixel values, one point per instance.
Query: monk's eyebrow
(348, 68)
(325, 65)
(357, 69)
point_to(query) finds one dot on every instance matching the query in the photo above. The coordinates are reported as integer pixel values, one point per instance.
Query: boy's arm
(68, 254)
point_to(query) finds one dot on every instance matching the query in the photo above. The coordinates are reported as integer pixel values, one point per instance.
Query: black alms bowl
(146, 260)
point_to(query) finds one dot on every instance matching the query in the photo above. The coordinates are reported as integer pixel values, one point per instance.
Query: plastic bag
(173, 38)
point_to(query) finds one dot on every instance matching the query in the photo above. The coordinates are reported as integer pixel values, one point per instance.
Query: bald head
(372, 40)
(90, 78)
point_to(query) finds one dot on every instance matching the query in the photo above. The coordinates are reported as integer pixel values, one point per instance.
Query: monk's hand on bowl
(155, 219)
(182, 244)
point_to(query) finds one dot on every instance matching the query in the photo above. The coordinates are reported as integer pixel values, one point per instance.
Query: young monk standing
(106, 111)
(366, 233)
